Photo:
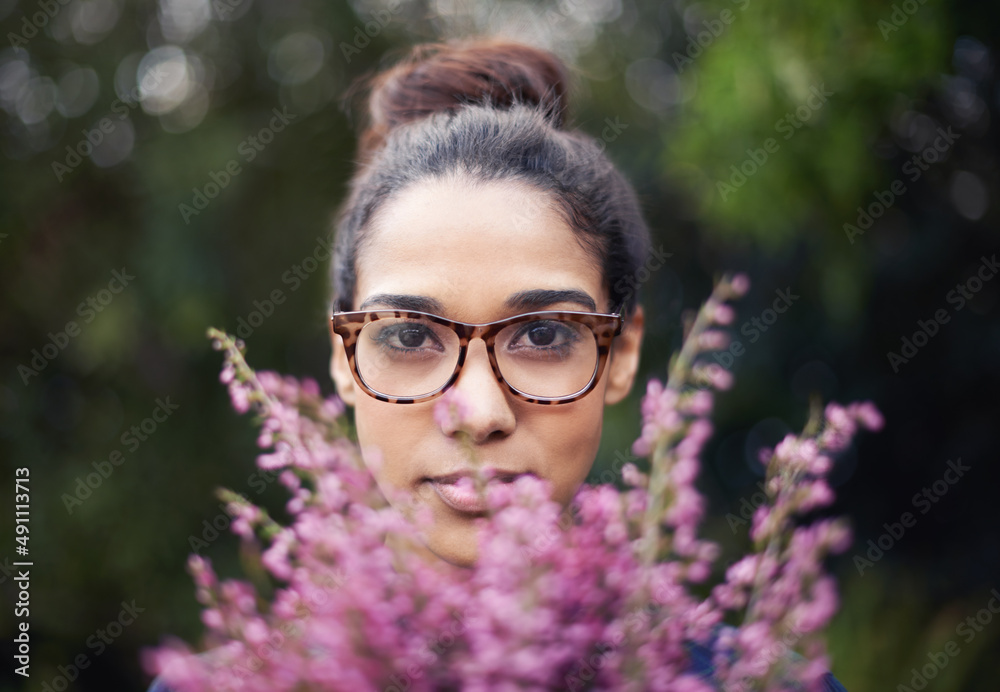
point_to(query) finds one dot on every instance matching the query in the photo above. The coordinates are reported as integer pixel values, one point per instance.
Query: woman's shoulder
(701, 662)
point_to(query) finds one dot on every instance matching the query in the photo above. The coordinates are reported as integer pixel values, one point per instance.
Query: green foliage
(887, 627)
(745, 86)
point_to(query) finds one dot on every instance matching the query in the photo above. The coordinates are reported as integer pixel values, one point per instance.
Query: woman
(471, 205)
(476, 214)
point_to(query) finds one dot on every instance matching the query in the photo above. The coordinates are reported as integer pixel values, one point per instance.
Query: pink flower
(723, 314)
(716, 376)
(712, 339)
(240, 396)
(868, 415)
(451, 410)
(212, 619)
(818, 494)
(699, 403)
(739, 285)
(180, 668)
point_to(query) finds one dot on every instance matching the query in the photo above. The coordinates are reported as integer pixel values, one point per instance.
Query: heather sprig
(675, 428)
(780, 587)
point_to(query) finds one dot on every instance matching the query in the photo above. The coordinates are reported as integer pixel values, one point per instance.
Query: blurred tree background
(173, 165)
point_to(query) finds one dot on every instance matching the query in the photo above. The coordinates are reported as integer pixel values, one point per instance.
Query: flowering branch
(675, 423)
(779, 586)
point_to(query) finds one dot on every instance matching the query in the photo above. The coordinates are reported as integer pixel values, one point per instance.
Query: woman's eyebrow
(522, 301)
(401, 301)
(541, 297)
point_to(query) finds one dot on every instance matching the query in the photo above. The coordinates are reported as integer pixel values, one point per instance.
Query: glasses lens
(406, 357)
(547, 358)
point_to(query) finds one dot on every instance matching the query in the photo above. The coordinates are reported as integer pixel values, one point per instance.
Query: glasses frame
(605, 327)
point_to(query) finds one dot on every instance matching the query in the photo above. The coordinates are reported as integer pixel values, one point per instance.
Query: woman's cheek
(569, 460)
(381, 437)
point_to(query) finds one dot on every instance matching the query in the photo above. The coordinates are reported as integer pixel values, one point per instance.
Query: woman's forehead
(464, 245)
(449, 213)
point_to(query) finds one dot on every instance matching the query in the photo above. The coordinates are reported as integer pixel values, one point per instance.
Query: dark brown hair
(493, 110)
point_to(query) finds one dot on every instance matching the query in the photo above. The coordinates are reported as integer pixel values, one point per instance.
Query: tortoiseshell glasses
(406, 357)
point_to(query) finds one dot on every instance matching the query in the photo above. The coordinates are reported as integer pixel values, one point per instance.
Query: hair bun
(444, 76)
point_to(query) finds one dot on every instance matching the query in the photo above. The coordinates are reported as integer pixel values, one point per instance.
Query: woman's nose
(488, 406)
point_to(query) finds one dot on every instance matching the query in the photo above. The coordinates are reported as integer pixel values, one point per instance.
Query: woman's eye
(408, 337)
(411, 338)
(544, 335)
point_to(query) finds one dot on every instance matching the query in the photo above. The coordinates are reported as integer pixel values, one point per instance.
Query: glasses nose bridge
(468, 332)
(487, 333)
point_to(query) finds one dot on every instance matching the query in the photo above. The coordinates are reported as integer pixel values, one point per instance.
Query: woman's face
(466, 251)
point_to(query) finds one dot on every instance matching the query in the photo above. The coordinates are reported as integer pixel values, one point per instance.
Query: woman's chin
(455, 545)
(440, 545)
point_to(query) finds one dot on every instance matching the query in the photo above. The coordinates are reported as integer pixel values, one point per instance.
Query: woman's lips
(459, 492)
(460, 495)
